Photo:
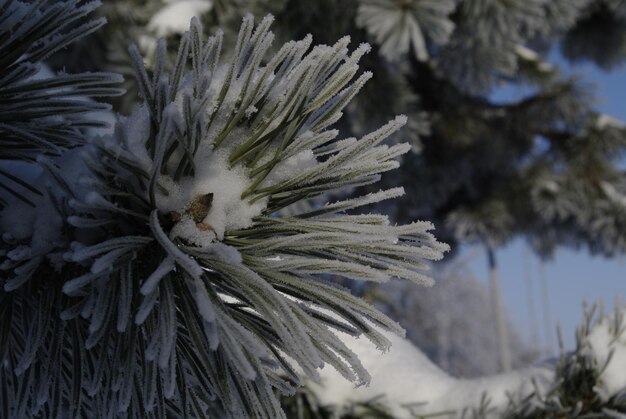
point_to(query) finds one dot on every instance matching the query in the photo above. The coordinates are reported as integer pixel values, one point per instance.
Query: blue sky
(572, 276)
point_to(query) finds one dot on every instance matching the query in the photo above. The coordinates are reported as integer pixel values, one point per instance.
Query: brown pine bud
(200, 207)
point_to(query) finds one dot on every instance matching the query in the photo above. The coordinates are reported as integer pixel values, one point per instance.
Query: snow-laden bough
(180, 284)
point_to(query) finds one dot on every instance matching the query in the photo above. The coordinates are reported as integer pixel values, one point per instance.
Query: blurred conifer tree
(543, 164)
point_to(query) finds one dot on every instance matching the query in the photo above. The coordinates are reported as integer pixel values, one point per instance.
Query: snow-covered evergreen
(185, 262)
(452, 322)
(154, 273)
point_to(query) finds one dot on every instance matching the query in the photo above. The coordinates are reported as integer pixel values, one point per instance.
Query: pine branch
(41, 113)
(189, 292)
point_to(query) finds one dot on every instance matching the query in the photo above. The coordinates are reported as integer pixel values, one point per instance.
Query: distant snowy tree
(451, 322)
(154, 275)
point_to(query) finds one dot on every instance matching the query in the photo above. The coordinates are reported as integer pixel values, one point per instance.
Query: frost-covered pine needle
(167, 282)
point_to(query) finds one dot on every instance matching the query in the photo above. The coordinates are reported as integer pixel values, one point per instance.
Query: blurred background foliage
(544, 165)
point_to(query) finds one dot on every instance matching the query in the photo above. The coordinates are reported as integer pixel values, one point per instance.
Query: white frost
(291, 167)
(137, 132)
(42, 224)
(150, 284)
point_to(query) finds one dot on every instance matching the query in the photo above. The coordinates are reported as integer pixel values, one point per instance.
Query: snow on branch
(167, 242)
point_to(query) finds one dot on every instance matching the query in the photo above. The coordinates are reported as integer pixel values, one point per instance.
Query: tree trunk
(443, 329)
(533, 337)
(502, 333)
(547, 318)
